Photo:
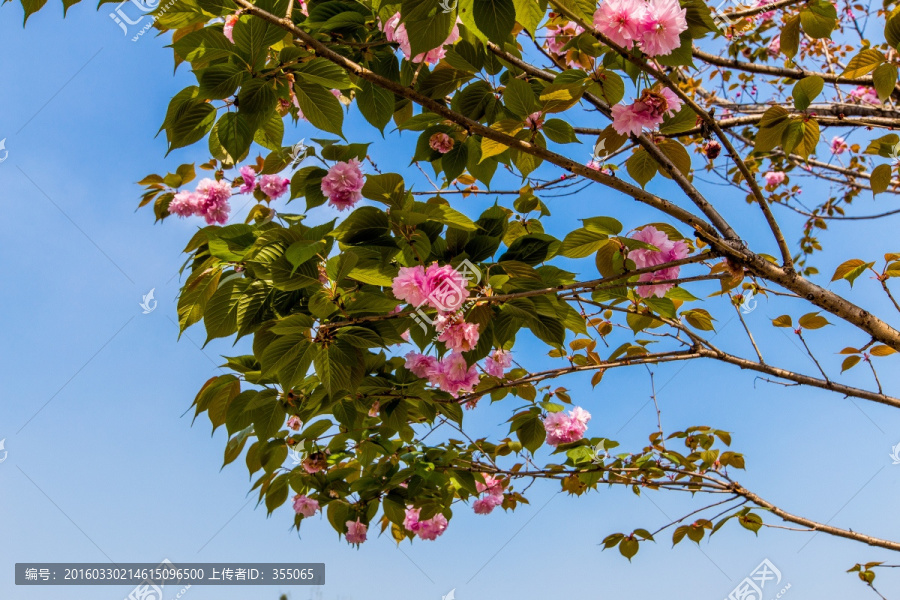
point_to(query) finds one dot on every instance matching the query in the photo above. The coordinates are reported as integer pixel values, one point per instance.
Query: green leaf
(880, 179)
(863, 63)
(495, 18)
(531, 433)
(850, 362)
(519, 97)
(321, 108)
(190, 124)
(699, 318)
(559, 131)
(253, 37)
(220, 81)
(790, 37)
(530, 13)
(892, 28)
(819, 19)
(257, 96)
(427, 25)
(641, 166)
(884, 79)
(783, 321)
(851, 269)
(813, 321)
(376, 104)
(806, 90)
(333, 369)
(235, 134)
(582, 242)
(324, 72)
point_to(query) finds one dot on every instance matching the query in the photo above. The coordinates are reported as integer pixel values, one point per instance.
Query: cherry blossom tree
(376, 333)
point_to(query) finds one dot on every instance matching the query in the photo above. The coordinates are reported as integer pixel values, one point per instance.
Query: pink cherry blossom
(273, 186)
(445, 287)
(441, 142)
(560, 35)
(248, 174)
(534, 121)
(497, 362)
(647, 111)
(429, 529)
(661, 26)
(838, 145)
(621, 20)
(773, 178)
(775, 46)
(294, 423)
(213, 200)
(185, 204)
(565, 428)
(492, 485)
(305, 506)
(228, 30)
(459, 336)
(864, 95)
(421, 365)
(454, 375)
(373, 410)
(667, 251)
(356, 532)
(484, 506)
(411, 285)
(343, 183)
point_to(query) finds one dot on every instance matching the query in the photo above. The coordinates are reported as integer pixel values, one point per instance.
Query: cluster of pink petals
(248, 175)
(654, 25)
(497, 362)
(565, 428)
(492, 488)
(273, 186)
(773, 178)
(343, 184)
(356, 532)
(441, 142)
(763, 16)
(209, 200)
(451, 374)
(428, 529)
(864, 95)
(643, 258)
(535, 120)
(458, 335)
(230, 22)
(395, 31)
(775, 45)
(442, 287)
(305, 506)
(647, 111)
(294, 423)
(838, 145)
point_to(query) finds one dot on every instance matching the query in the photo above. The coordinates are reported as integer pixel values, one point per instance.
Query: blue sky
(103, 466)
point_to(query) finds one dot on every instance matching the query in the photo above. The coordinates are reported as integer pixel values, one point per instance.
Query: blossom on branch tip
(667, 251)
(428, 529)
(343, 183)
(248, 175)
(441, 142)
(773, 178)
(305, 506)
(497, 362)
(565, 428)
(356, 532)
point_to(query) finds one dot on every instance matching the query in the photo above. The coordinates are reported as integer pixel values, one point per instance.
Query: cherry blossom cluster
(565, 428)
(343, 184)
(426, 529)
(645, 112)
(492, 490)
(210, 198)
(667, 251)
(654, 26)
